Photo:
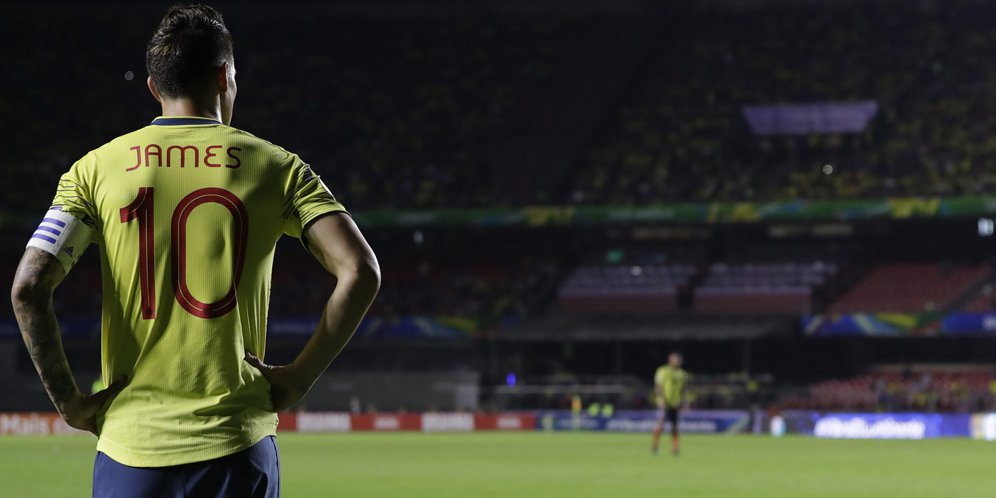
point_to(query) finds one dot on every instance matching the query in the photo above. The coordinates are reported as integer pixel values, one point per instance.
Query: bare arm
(38, 274)
(338, 245)
(37, 277)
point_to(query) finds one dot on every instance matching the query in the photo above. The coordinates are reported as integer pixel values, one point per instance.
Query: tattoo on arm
(37, 276)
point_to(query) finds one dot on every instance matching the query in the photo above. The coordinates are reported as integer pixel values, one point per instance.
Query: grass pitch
(575, 465)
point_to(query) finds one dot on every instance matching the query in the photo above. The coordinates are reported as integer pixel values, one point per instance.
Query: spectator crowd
(410, 111)
(681, 135)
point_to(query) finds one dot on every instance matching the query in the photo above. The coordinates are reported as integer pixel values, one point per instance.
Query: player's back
(187, 212)
(672, 381)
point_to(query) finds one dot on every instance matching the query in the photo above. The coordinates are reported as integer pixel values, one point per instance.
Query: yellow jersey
(672, 383)
(186, 213)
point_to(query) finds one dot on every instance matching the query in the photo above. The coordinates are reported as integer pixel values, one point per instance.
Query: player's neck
(187, 107)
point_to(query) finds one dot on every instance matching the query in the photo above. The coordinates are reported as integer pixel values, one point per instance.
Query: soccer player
(186, 213)
(669, 389)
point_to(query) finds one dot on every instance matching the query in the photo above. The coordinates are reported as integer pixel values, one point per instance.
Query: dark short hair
(189, 45)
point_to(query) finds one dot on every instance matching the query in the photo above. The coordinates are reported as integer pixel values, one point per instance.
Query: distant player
(186, 213)
(669, 389)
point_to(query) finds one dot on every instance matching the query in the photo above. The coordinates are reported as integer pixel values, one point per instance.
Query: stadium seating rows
(492, 291)
(680, 135)
(411, 120)
(766, 288)
(928, 390)
(724, 288)
(909, 288)
(786, 288)
(625, 288)
(481, 290)
(420, 116)
(984, 300)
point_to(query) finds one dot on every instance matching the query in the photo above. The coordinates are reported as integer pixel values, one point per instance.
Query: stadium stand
(625, 288)
(720, 288)
(492, 292)
(909, 287)
(418, 120)
(644, 326)
(451, 111)
(680, 133)
(489, 291)
(915, 388)
(750, 288)
(984, 299)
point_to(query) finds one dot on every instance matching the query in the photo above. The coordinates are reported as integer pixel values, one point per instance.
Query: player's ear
(222, 77)
(152, 89)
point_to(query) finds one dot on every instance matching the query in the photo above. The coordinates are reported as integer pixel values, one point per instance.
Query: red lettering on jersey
(231, 154)
(183, 155)
(156, 152)
(138, 157)
(208, 155)
(211, 153)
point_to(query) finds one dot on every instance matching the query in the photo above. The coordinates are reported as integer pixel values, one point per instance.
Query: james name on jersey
(214, 156)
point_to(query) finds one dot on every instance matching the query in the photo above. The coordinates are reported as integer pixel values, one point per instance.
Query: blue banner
(968, 323)
(872, 425)
(891, 425)
(790, 422)
(984, 426)
(900, 324)
(693, 421)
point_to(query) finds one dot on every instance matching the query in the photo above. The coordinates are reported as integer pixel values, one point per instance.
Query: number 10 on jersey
(143, 210)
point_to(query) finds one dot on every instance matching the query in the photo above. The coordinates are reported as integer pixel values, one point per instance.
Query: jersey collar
(183, 120)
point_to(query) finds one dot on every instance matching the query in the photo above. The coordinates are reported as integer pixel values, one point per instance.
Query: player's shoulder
(114, 146)
(262, 147)
(262, 152)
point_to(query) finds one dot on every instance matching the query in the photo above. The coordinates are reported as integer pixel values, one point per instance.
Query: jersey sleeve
(68, 227)
(74, 194)
(308, 198)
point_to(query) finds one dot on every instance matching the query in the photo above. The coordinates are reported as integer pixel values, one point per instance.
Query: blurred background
(798, 195)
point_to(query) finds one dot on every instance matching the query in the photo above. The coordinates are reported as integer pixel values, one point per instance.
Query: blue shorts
(250, 473)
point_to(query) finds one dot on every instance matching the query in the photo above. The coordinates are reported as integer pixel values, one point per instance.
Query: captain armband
(63, 236)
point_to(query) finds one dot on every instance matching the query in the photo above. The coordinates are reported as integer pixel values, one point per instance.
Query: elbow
(24, 292)
(368, 274)
(17, 294)
(361, 275)
(37, 276)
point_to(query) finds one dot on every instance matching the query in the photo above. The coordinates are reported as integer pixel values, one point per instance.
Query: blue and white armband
(63, 236)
